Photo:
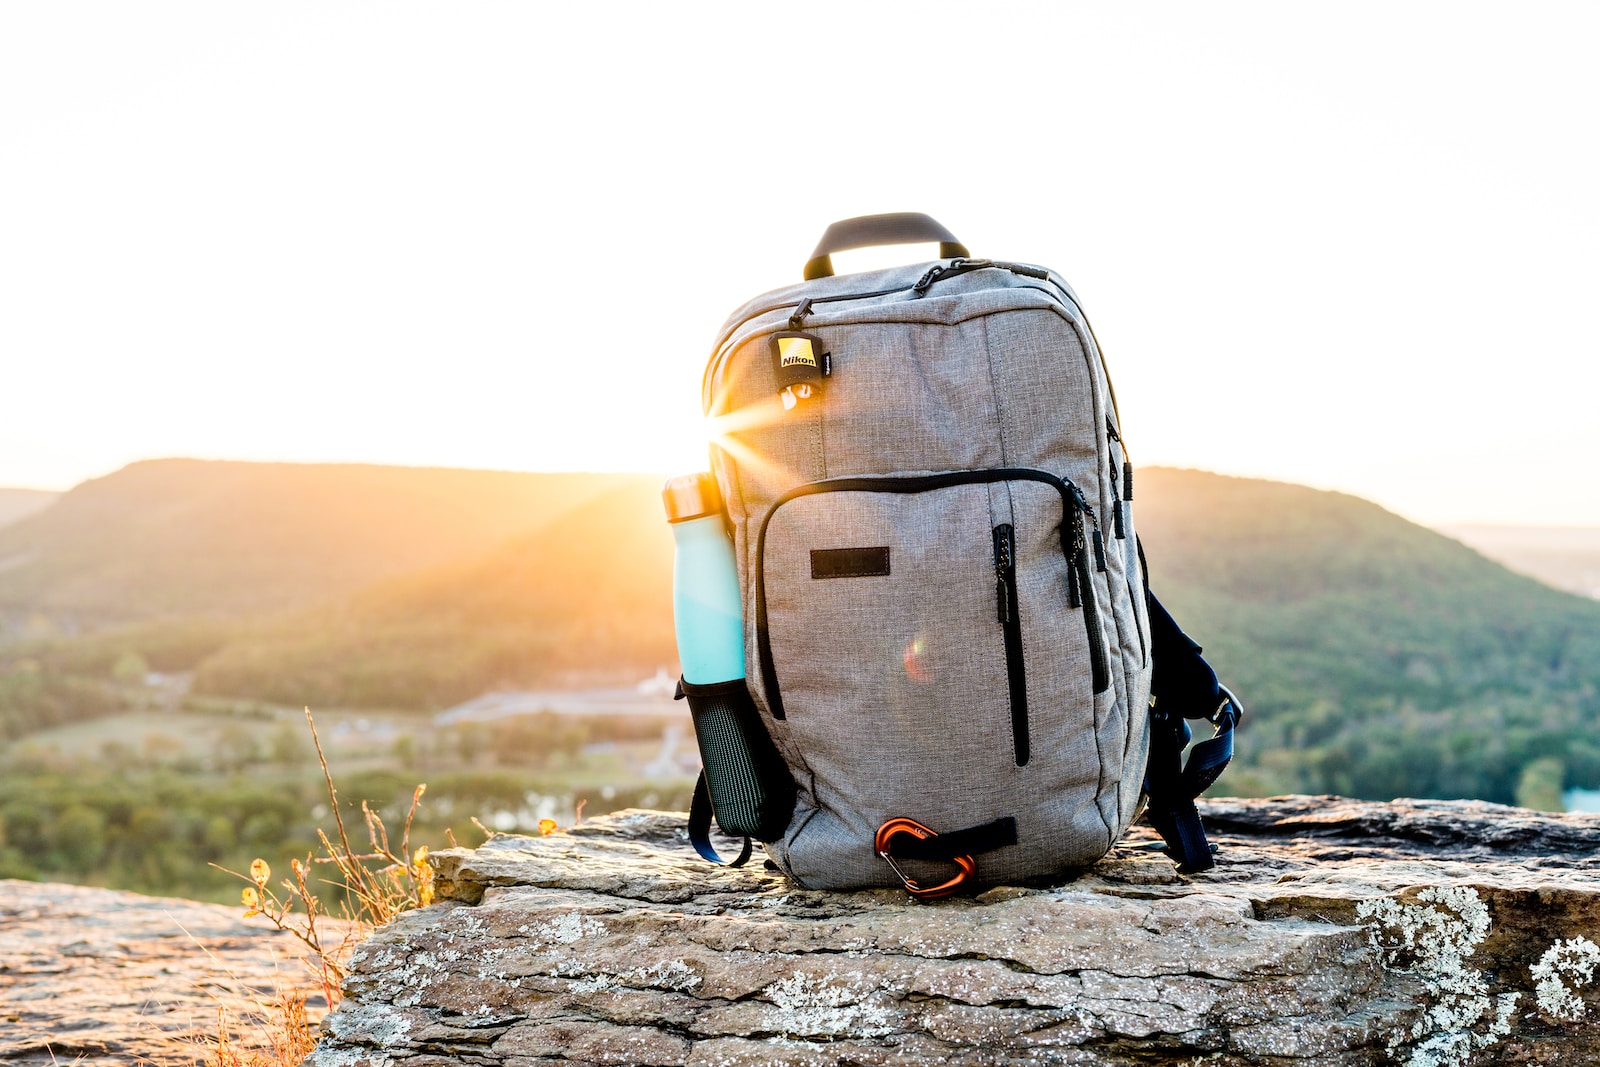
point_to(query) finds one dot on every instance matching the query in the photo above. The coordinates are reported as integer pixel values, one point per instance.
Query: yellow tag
(796, 351)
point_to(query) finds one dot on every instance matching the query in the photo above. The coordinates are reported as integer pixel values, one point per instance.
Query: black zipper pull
(800, 313)
(1099, 551)
(1127, 467)
(1023, 269)
(931, 276)
(1074, 557)
(1005, 569)
(1116, 507)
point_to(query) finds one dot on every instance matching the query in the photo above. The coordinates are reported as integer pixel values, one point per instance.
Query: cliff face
(1331, 932)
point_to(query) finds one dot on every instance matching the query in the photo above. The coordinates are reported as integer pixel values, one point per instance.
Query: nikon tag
(799, 362)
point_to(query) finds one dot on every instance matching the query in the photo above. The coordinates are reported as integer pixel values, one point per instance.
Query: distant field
(1567, 557)
(148, 799)
(583, 754)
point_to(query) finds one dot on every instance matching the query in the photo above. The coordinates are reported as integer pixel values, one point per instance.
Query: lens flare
(915, 659)
(723, 431)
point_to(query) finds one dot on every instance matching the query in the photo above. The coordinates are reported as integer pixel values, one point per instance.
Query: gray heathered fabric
(895, 687)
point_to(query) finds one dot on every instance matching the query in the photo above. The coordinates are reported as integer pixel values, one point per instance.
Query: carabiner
(966, 866)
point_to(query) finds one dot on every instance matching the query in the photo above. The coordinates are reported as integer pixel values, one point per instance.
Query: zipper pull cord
(1127, 465)
(932, 275)
(1116, 503)
(800, 313)
(962, 266)
(1039, 273)
(1099, 542)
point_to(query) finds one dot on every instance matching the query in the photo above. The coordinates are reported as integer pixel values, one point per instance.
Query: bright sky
(1351, 245)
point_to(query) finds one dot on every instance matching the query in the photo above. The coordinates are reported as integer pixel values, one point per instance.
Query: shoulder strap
(1183, 687)
(700, 827)
(1173, 784)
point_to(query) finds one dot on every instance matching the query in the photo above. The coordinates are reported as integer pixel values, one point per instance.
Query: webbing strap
(1173, 784)
(700, 827)
(969, 842)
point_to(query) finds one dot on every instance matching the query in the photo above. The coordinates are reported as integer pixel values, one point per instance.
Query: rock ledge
(1331, 932)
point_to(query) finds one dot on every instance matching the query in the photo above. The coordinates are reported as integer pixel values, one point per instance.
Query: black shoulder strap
(700, 827)
(1183, 686)
(1174, 784)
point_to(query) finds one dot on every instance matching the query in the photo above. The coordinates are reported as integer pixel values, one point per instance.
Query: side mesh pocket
(751, 789)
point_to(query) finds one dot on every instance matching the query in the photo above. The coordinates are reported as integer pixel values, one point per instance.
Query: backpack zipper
(1005, 581)
(804, 305)
(1074, 546)
(1118, 488)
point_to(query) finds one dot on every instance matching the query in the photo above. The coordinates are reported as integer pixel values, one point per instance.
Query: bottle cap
(691, 496)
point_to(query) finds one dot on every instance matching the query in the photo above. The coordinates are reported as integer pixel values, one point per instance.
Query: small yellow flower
(259, 871)
(547, 827)
(424, 871)
(251, 901)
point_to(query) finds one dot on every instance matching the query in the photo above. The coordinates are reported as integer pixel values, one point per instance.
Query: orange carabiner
(966, 866)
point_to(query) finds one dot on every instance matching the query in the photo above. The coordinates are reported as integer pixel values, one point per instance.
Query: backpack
(950, 648)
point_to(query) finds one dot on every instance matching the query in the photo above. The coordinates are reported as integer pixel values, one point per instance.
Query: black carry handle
(900, 228)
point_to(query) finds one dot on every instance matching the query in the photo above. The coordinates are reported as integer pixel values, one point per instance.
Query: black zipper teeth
(1073, 504)
(1081, 587)
(1005, 569)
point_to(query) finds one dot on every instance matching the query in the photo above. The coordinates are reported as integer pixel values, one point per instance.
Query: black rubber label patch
(849, 562)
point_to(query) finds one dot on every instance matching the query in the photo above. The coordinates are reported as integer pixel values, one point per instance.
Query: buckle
(966, 866)
(1229, 708)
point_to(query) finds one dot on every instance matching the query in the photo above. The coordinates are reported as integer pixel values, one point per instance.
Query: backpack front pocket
(918, 632)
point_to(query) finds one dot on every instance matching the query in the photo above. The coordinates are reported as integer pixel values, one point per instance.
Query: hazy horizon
(1347, 248)
(1444, 527)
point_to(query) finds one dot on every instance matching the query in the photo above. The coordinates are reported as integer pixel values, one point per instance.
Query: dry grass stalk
(377, 885)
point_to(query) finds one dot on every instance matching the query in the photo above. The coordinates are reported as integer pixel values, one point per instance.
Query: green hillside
(1378, 658)
(588, 596)
(18, 504)
(183, 537)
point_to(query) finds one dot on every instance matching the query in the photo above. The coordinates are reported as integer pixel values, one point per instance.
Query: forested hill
(1378, 658)
(175, 537)
(586, 597)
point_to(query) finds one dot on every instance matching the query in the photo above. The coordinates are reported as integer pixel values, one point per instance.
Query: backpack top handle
(900, 228)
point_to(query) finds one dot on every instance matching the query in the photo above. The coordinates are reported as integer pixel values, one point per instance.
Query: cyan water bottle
(744, 780)
(706, 610)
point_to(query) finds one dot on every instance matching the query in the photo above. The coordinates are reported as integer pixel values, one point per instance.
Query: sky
(1348, 245)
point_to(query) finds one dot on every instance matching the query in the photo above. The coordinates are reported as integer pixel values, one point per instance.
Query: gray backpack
(947, 632)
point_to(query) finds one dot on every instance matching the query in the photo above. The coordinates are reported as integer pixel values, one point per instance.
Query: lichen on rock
(1572, 961)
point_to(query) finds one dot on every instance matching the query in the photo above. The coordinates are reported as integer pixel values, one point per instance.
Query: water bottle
(707, 613)
(744, 781)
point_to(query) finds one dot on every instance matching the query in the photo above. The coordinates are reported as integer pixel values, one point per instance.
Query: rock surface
(1330, 932)
(95, 977)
